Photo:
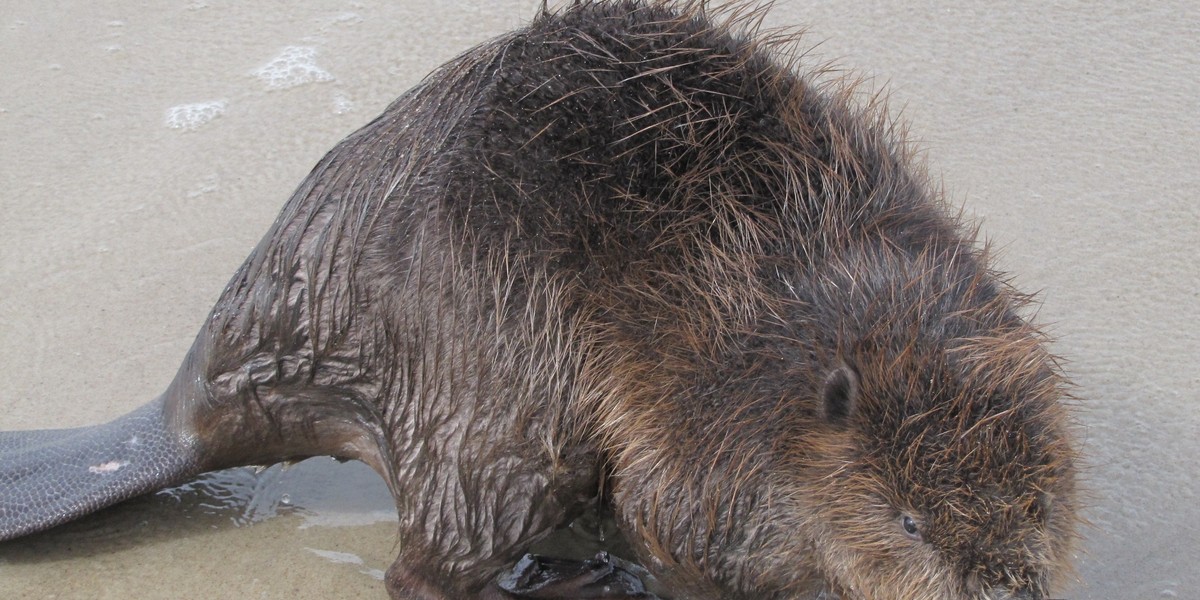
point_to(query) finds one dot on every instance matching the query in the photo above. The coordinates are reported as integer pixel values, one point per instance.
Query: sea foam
(295, 65)
(191, 116)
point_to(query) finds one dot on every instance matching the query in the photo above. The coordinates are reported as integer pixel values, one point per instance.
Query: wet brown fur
(631, 241)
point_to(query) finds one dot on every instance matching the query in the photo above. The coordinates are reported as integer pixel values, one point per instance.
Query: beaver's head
(940, 472)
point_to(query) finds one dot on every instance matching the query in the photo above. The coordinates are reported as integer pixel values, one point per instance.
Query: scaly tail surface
(51, 476)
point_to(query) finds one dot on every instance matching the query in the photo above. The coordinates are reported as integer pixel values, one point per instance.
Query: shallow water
(243, 533)
(325, 501)
(143, 152)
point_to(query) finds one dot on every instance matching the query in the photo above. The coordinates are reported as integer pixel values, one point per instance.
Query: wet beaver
(625, 252)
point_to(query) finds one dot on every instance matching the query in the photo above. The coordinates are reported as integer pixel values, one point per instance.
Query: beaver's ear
(839, 395)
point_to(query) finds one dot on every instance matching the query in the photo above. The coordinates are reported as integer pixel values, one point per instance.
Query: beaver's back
(620, 129)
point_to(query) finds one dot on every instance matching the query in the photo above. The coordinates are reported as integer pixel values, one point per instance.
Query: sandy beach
(145, 150)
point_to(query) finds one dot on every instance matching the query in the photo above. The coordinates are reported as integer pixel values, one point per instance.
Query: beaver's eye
(909, 525)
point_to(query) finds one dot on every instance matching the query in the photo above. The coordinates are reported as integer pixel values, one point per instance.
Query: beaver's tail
(52, 476)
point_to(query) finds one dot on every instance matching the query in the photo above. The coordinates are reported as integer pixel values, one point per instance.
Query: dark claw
(604, 577)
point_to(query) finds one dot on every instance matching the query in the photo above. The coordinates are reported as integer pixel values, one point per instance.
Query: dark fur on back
(628, 242)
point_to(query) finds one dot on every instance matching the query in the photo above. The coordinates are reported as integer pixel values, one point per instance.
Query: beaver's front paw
(604, 577)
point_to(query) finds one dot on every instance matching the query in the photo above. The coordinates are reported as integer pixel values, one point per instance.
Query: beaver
(629, 253)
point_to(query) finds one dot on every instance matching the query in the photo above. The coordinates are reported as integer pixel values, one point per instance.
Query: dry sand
(1071, 129)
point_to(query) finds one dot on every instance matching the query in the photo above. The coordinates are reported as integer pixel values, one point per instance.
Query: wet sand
(1071, 130)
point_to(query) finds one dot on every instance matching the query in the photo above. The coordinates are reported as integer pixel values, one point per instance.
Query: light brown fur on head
(958, 423)
(951, 414)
